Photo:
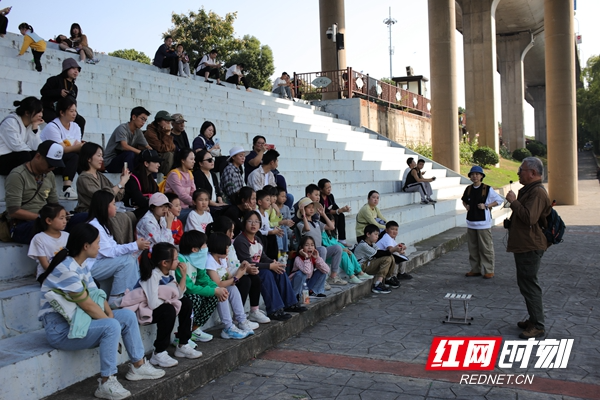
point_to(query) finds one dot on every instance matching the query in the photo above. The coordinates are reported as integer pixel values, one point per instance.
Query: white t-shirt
(44, 245)
(219, 267)
(278, 82)
(209, 62)
(56, 132)
(265, 224)
(198, 222)
(385, 242)
(233, 70)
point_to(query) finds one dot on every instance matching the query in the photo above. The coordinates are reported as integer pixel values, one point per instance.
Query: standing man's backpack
(555, 228)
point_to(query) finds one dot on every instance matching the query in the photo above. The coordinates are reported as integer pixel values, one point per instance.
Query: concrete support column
(511, 51)
(560, 101)
(331, 12)
(479, 41)
(444, 100)
(537, 95)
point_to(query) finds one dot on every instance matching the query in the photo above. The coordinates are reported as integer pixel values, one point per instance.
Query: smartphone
(270, 146)
(125, 165)
(217, 140)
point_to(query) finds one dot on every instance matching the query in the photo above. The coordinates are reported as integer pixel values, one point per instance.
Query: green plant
(423, 149)
(521, 154)
(485, 156)
(132, 55)
(505, 152)
(537, 148)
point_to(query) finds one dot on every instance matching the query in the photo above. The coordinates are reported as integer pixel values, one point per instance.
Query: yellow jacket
(40, 45)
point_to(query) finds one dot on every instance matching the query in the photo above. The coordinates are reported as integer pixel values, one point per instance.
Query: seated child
(263, 201)
(349, 263)
(309, 267)
(200, 216)
(227, 278)
(51, 237)
(372, 261)
(155, 224)
(281, 216)
(387, 242)
(176, 226)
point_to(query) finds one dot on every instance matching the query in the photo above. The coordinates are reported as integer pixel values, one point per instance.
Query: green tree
(588, 104)
(131, 54)
(388, 80)
(258, 61)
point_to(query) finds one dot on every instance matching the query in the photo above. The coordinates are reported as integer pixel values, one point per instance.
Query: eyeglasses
(251, 222)
(143, 119)
(522, 169)
(209, 160)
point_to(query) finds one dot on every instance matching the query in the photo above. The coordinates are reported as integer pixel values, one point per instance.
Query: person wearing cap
(31, 186)
(158, 136)
(232, 178)
(479, 199)
(155, 225)
(141, 184)
(126, 142)
(59, 86)
(180, 137)
(415, 182)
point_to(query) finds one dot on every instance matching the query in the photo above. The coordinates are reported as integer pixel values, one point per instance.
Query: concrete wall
(399, 126)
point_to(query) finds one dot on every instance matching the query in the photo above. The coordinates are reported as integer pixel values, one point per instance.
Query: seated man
(282, 86)
(235, 75)
(166, 57)
(180, 137)
(31, 186)
(126, 142)
(158, 136)
(416, 183)
(263, 175)
(209, 66)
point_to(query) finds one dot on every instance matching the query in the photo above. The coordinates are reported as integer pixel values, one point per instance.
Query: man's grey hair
(535, 164)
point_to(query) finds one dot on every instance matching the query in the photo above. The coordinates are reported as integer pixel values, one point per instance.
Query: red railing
(312, 85)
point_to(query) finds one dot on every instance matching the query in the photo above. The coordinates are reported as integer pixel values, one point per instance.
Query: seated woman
(207, 141)
(65, 131)
(69, 273)
(92, 180)
(244, 201)
(333, 211)
(181, 181)
(184, 62)
(232, 177)
(18, 139)
(369, 214)
(276, 289)
(79, 43)
(205, 178)
(118, 261)
(141, 184)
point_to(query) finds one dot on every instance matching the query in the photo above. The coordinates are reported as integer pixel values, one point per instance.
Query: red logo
(461, 354)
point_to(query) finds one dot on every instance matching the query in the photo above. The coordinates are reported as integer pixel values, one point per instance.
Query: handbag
(5, 235)
(66, 304)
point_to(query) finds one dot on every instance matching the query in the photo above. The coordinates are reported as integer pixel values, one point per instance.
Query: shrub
(521, 154)
(485, 156)
(537, 149)
(465, 152)
(423, 149)
(505, 153)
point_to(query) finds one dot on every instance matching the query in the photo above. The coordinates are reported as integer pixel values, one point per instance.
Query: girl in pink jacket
(309, 268)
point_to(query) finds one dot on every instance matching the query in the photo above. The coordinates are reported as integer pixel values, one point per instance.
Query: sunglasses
(209, 160)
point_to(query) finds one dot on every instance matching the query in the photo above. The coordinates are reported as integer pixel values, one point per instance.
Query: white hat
(235, 150)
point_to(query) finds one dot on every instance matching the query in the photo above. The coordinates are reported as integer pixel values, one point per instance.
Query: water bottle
(305, 295)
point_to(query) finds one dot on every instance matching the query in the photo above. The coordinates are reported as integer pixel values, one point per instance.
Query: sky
(290, 29)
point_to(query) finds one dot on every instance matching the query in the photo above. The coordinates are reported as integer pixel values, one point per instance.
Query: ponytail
(25, 25)
(151, 258)
(48, 211)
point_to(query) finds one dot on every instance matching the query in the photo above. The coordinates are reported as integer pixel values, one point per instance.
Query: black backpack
(555, 228)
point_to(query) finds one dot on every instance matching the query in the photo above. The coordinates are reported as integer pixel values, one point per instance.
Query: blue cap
(476, 168)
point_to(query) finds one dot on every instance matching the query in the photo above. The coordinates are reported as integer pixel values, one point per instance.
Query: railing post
(368, 92)
(350, 82)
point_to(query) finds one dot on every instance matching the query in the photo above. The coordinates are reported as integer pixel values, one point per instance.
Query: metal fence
(348, 83)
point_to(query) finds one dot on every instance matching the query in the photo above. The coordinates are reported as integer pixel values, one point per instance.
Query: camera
(72, 93)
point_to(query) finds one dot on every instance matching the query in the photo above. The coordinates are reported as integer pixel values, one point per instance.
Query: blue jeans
(123, 269)
(104, 333)
(282, 241)
(23, 232)
(276, 290)
(316, 283)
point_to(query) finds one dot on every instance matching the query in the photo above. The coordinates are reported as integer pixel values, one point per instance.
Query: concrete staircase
(313, 144)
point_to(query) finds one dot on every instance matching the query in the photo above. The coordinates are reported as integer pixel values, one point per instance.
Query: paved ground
(377, 348)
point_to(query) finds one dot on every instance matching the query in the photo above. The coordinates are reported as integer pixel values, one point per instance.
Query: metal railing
(312, 85)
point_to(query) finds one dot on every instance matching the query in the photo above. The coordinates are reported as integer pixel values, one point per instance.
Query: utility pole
(389, 22)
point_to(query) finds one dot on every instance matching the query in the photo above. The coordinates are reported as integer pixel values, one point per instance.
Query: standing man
(528, 242)
(180, 137)
(479, 199)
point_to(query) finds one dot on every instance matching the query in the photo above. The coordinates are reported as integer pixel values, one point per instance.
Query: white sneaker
(69, 194)
(248, 326)
(259, 316)
(145, 371)
(163, 360)
(234, 333)
(327, 286)
(200, 336)
(336, 281)
(185, 351)
(191, 343)
(111, 389)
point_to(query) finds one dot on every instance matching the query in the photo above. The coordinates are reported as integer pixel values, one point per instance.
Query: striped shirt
(68, 277)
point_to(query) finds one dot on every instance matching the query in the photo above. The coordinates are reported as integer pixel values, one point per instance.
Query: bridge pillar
(511, 52)
(444, 100)
(560, 101)
(332, 12)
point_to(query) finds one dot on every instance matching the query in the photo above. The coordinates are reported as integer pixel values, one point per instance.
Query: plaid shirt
(232, 180)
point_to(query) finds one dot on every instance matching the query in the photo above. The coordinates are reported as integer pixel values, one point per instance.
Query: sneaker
(336, 281)
(364, 276)
(163, 360)
(259, 316)
(526, 324)
(279, 315)
(220, 84)
(96, 61)
(354, 279)
(392, 282)
(532, 332)
(191, 343)
(200, 336)
(316, 295)
(69, 194)
(488, 276)
(248, 326)
(296, 308)
(424, 201)
(185, 351)
(71, 50)
(111, 389)
(90, 61)
(404, 276)
(380, 289)
(208, 81)
(233, 333)
(431, 201)
(327, 287)
(145, 371)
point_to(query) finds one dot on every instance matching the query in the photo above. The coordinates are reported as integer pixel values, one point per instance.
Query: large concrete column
(331, 12)
(511, 51)
(444, 100)
(560, 101)
(479, 41)
(537, 95)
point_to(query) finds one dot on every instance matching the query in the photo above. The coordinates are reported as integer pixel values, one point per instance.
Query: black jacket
(202, 182)
(51, 93)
